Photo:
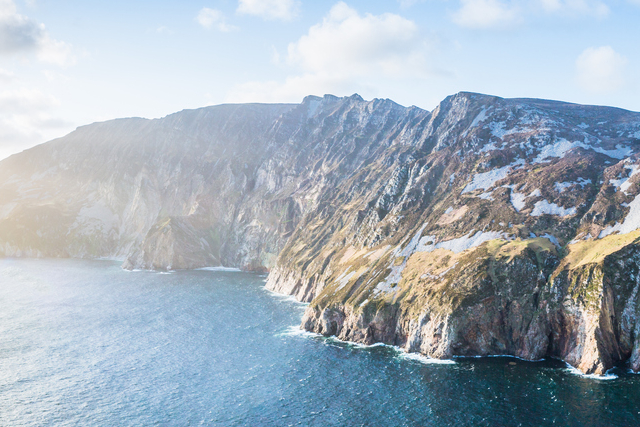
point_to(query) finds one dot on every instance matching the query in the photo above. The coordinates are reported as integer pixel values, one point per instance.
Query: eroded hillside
(488, 226)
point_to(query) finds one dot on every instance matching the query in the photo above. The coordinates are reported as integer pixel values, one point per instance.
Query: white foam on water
(424, 359)
(401, 353)
(606, 377)
(220, 268)
(284, 297)
(296, 331)
(499, 355)
(359, 345)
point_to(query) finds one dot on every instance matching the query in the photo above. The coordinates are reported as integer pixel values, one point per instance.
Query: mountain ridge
(486, 226)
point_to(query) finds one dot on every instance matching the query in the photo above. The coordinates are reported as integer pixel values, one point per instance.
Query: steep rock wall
(488, 226)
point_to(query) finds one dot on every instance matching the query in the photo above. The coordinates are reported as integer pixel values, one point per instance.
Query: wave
(401, 353)
(284, 297)
(426, 360)
(498, 355)
(296, 331)
(606, 377)
(220, 268)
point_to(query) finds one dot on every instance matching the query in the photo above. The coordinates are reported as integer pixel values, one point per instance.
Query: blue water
(86, 343)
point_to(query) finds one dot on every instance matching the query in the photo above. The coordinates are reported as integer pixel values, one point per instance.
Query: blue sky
(65, 63)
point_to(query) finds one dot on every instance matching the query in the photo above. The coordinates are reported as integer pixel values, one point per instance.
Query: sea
(85, 343)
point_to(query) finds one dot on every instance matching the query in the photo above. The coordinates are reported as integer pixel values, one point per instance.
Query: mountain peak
(426, 230)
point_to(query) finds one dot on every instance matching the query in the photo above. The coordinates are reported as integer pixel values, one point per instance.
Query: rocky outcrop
(482, 302)
(594, 325)
(487, 226)
(172, 244)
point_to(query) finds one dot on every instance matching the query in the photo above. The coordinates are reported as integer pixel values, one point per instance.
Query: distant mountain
(488, 226)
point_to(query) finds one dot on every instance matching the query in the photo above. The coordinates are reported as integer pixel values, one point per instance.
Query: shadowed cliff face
(488, 226)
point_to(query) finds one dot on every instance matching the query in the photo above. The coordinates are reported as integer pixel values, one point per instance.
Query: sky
(67, 63)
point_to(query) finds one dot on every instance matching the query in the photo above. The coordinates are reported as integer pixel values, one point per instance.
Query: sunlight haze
(69, 63)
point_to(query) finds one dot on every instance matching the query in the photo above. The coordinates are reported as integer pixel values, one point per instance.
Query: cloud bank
(484, 14)
(25, 119)
(501, 14)
(19, 33)
(343, 52)
(211, 18)
(284, 10)
(601, 69)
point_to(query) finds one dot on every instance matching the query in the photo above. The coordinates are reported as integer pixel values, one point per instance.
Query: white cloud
(346, 51)
(500, 14)
(270, 9)
(294, 88)
(486, 14)
(25, 101)
(275, 55)
(576, 7)
(6, 76)
(18, 33)
(7, 8)
(21, 34)
(600, 69)
(26, 119)
(409, 3)
(348, 43)
(211, 18)
(55, 52)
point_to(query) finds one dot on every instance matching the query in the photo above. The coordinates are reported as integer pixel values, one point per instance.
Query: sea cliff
(486, 226)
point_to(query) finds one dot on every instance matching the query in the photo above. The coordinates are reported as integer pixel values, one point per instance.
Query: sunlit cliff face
(487, 226)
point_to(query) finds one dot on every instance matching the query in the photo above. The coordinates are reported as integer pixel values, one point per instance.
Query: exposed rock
(488, 226)
(172, 244)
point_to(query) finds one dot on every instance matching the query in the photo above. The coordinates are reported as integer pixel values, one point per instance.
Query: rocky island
(487, 226)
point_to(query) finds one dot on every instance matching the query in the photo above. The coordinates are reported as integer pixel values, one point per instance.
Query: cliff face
(467, 244)
(232, 180)
(488, 226)
(107, 190)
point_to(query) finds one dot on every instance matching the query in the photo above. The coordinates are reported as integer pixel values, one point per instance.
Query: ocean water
(84, 343)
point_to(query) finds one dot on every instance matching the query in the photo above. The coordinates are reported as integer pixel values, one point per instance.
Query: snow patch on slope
(561, 186)
(552, 239)
(482, 115)
(631, 221)
(623, 183)
(544, 207)
(486, 180)
(421, 243)
(461, 244)
(562, 146)
(518, 200)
